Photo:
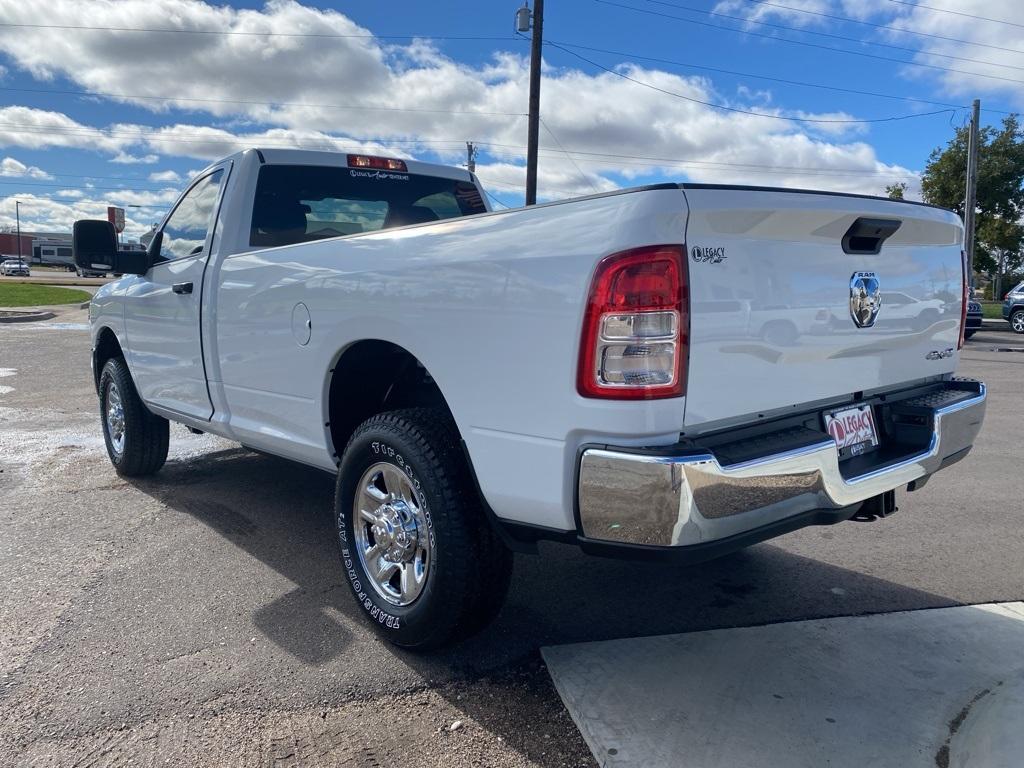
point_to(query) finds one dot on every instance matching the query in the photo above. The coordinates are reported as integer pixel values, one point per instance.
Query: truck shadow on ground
(281, 514)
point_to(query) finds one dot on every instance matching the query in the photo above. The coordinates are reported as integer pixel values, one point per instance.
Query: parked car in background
(14, 268)
(973, 319)
(89, 272)
(905, 311)
(1013, 308)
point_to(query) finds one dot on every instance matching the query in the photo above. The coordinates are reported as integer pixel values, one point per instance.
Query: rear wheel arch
(372, 376)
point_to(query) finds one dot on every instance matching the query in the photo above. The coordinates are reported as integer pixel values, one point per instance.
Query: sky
(107, 102)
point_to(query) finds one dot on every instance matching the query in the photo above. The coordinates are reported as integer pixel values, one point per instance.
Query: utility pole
(971, 196)
(17, 218)
(470, 157)
(523, 18)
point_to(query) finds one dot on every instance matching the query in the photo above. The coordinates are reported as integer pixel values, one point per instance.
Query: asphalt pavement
(200, 616)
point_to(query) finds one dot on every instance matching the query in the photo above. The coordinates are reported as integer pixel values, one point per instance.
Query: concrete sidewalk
(942, 687)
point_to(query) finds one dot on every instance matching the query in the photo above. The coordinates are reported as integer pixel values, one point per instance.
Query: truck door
(162, 307)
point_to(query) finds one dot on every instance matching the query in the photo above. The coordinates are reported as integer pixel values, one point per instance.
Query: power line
(504, 184)
(561, 149)
(249, 33)
(613, 159)
(84, 189)
(677, 160)
(785, 169)
(253, 102)
(140, 179)
(772, 25)
(662, 161)
(600, 157)
(876, 25)
(327, 143)
(785, 81)
(746, 111)
(117, 133)
(957, 13)
(497, 200)
(260, 103)
(571, 159)
(807, 44)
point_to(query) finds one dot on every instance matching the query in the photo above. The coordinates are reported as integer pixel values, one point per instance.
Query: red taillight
(636, 326)
(963, 304)
(382, 163)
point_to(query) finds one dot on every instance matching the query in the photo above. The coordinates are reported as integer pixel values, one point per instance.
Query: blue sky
(118, 139)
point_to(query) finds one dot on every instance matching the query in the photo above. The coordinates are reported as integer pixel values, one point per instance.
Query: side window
(185, 232)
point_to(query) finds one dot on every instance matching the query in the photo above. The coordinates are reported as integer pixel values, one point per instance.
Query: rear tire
(1017, 321)
(136, 440)
(423, 563)
(968, 334)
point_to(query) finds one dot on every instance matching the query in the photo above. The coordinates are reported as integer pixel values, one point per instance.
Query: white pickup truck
(597, 371)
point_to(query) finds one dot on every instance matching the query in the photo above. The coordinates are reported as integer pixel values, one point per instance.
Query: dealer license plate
(853, 429)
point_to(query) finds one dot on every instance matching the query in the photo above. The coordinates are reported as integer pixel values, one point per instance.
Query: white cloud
(76, 194)
(324, 92)
(171, 176)
(41, 213)
(994, 67)
(11, 167)
(999, 82)
(127, 159)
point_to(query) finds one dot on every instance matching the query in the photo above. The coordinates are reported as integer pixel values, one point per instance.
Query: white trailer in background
(53, 251)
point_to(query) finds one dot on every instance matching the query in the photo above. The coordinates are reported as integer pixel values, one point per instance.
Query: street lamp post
(17, 218)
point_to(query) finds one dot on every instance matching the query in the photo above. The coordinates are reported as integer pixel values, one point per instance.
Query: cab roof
(277, 156)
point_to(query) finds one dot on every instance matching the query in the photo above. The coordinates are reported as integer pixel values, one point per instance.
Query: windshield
(299, 203)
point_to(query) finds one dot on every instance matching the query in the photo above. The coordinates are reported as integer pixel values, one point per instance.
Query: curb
(25, 317)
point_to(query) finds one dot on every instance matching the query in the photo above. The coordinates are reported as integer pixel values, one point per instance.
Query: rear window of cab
(301, 203)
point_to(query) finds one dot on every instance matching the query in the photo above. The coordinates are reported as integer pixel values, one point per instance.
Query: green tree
(896, 191)
(999, 234)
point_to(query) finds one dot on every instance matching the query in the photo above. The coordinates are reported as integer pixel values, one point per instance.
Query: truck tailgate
(771, 277)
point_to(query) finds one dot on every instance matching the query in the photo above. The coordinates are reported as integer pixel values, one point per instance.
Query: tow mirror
(94, 248)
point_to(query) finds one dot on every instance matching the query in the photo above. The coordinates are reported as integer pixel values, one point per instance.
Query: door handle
(182, 287)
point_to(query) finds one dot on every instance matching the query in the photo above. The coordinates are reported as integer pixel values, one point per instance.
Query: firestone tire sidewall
(416, 624)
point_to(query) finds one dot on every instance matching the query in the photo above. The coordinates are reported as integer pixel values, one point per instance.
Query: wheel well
(107, 347)
(375, 376)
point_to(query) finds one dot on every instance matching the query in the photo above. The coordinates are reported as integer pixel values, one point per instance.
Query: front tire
(1017, 321)
(968, 334)
(136, 440)
(423, 563)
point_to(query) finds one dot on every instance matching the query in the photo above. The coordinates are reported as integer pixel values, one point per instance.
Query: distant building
(9, 244)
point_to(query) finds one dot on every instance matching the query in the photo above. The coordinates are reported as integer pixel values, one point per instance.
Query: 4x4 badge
(865, 298)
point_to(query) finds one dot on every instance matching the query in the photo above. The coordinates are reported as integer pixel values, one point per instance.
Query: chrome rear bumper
(689, 499)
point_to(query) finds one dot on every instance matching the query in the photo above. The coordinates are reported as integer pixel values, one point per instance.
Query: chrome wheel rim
(115, 419)
(391, 534)
(1017, 321)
